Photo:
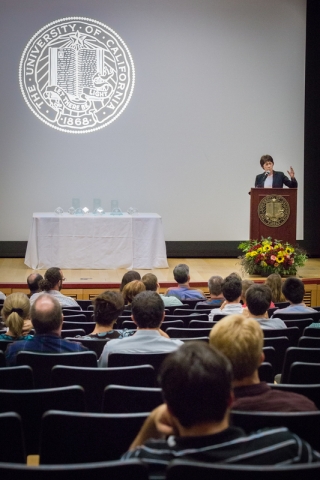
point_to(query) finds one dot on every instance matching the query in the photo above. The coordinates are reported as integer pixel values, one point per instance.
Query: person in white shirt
(231, 290)
(52, 284)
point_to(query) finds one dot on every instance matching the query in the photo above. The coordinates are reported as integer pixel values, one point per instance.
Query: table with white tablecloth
(96, 241)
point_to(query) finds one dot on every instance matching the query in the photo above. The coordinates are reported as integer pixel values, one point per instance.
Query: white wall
(218, 84)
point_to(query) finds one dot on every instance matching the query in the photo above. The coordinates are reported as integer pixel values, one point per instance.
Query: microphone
(267, 173)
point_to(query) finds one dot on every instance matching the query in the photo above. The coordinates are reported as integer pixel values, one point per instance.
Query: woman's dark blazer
(279, 179)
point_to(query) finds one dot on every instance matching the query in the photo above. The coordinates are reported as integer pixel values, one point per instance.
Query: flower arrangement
(271, 256)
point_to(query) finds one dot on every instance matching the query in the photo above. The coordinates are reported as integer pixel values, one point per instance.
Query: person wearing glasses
(52, 284)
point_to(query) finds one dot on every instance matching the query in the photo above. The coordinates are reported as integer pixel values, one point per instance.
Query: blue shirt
(45, 343)
(185, 293)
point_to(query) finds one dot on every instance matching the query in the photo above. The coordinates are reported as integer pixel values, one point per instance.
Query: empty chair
(201, 324)
(269, 355)
(4, 344)
(95, 380)
(311, 332)
(304, 424)
(315, 316)
(186, 318)
(295, 354)
(309, 342)
(131, 359)
(94, 344)
(42, 363)
(88, 314)
(310, 391)
(2, 359)
(115, 470)
(31, 404)
(12, 444)
(280, 345)
(171, 309)
(193, 470)
(303, 372)
(124, 399)
(73, 332)
(188, 332)
(266, 372)
(171, 323)
(87, 437)
(292, 333)
(301, 323)
(186, 311)
(85, 304)
(191, 302)
(88, 327)
(16, 378)
(219, 316)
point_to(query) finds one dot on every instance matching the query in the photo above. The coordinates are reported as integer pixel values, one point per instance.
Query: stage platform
(85, 284)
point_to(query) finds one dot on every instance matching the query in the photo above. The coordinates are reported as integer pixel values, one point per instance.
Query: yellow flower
(263, 264)
(266, 242)
(281, 254)
(266, 248)
(289, 250)
(259, 250)
(254, 253)
(280, 259)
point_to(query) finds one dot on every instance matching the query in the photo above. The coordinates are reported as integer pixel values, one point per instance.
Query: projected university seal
(76, 75)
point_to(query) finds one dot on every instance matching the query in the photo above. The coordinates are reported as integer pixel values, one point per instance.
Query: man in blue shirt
(184, 291)
(47, 319)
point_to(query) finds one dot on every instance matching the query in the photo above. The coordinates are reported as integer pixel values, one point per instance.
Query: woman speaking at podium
(272, 179)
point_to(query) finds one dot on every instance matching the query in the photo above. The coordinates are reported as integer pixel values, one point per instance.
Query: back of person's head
(128, 277)
(51, 278)
(131, 289)
(274, 282)
(46, 314)
(148, 309)
(196, 384)
(33, 282)
(258, 299)
(214, 284)
(150, 282)
(107, 307)
(231, 288)
(16, 309)
(245, 285)
(293, 290)
(181, 273)
(240, 339)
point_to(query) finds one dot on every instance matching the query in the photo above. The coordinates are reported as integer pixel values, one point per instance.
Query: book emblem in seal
(76, 75)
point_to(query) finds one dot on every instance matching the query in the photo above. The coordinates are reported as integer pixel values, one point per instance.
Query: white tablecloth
(96, 241)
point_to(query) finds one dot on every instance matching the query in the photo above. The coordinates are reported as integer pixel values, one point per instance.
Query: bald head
(46, 314)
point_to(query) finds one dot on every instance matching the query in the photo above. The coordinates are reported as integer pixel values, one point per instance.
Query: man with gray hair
(183, 291)
(216, 296)
(46, 316)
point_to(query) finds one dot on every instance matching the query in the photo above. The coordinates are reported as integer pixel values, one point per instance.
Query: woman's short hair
(16, 309)
(131, 290)
(107, 307)
(240, 339)
(264, 159)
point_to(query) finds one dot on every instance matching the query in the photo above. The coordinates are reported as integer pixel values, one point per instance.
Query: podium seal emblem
(273, 210)
(76, 75)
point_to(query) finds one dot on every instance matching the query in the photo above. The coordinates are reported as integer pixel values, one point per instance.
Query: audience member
(33, 283)
(2, 296)
(47, 319)
(245, 285)
(293, 291)
(107, 307)
(130, 290)
(193, 424)
(147, 314)
(216, 297)
(275, 283)
(258, 300)
(128, 277)
(151, 283)
(231, 290)
(240, 339)
(183, 291)
(16, 316)
(52, 284)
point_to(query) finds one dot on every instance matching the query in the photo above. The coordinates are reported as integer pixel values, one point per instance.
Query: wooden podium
(273, 213)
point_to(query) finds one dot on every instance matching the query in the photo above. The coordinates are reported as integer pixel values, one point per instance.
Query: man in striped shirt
(193, 423)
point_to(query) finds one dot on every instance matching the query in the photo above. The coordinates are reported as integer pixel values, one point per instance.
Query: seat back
(296, 354)
(87, 437)
(280, 345)
(188, 332)
(303, 372)
(123, 399)
(88, 327)
(16, 378)
(309, 342)
(42, 363)
(12, 443)
(31, 404)
(201, 324)
(116, 470)
(301, 323)
(311, 332)
(292, 333)
(304, 424)
(86, 315)
(131, 359)
(192, 470)
(95, 380)
(93, 344)
(315, 316)
(186, 318)
(2, 359)
(266, 372)
(310, 391)
(4, 344)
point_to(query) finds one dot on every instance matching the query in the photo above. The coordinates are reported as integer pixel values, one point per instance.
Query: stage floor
(13, 270)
